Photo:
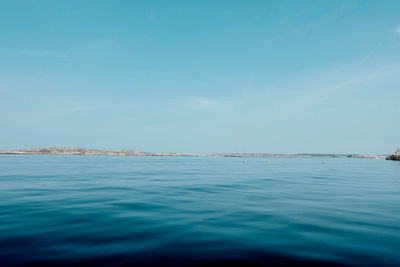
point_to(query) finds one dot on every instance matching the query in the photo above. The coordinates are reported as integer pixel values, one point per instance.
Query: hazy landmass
(86, 151)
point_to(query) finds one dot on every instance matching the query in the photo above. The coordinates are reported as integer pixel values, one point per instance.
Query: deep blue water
(106, 210)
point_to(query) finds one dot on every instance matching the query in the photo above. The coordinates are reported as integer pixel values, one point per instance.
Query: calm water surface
(106, 210)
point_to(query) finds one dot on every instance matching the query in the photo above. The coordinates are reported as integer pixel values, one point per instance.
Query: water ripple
(74, 210)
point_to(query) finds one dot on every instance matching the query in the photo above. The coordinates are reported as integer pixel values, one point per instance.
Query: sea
(71, 210)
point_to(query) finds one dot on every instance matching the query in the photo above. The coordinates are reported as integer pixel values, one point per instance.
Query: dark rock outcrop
(395, 156)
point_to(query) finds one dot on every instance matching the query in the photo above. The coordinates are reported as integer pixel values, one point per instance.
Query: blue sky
(201, 76)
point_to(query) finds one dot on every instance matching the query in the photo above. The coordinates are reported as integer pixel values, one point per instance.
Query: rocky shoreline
(395, 156)
(85, 151)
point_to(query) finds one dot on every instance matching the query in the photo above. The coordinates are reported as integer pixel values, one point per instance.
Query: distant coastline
(86, 151)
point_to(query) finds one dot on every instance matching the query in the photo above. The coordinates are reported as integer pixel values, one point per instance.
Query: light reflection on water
(178, 210)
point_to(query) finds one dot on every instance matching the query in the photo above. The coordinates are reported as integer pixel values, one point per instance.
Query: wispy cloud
(308, 23)
(207, 103)
(68, 109)
(43, 53)
(323, 91)
(305, 93)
